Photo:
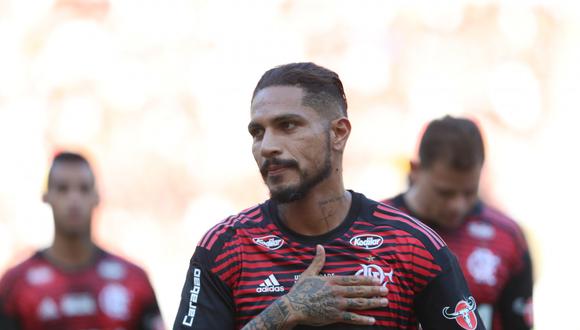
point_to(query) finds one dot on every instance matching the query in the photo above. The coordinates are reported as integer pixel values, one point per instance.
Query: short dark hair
(66, 157)
(455, 141)
(322, 87)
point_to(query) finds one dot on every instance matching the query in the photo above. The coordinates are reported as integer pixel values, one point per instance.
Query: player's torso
(272, 263)
(486, 255)
(96, 298)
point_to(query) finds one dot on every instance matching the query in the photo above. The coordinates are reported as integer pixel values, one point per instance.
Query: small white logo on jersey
(114, 301)
(270, 284)
(481, 230)
(78, 304)
(271, 242)
(482, 265)
(48, 310)
(367, 241)
(376, 272)
(111, 270)
(39, 275)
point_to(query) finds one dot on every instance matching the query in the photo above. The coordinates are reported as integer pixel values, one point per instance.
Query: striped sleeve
(207, 297)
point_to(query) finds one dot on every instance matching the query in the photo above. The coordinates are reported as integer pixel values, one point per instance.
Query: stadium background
(157, 93)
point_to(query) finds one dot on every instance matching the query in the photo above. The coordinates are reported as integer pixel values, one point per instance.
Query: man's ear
(97, 199)
(414, 169)
(45, 197)
(339, 133)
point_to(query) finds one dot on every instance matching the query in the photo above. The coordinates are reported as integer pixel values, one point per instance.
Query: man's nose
(458, 203)
(270, 145)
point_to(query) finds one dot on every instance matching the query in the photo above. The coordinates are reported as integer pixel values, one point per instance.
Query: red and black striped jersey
(110, 293)
(248, 260)
(495, 259)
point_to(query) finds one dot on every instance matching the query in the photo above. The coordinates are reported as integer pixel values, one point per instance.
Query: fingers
(352, 318)
(362, 303)
(317, 263)
(355, 280)
(364, 291)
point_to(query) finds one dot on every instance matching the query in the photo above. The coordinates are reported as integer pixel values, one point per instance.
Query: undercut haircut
(323, 90)
(67, 157)
(457, 142)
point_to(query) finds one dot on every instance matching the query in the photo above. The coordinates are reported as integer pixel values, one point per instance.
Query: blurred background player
(74, 284)
(491, 248)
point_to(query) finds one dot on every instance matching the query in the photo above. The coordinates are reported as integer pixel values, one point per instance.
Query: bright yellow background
(157, 93)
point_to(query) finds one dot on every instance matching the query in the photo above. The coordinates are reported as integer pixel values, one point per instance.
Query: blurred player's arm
(150, 318)
(206, 301)
(446, 301)
(515, 303)
(8, 320)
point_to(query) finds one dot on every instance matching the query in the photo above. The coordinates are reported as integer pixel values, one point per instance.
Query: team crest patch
(482, 265)
(377, 272)
(464, 314)
(271, 242)
(368, 241)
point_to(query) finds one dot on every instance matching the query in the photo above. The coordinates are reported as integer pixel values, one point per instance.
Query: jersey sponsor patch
(39, 275)
(368, 241)
(193, 297)
(376, 272)
(270, 284)
(481, 230)
(464, 314)
(78, 304)
(271, 242)
(111, 270)
(482, 265)
(525, 308)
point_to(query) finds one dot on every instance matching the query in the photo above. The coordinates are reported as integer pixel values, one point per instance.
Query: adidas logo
(270, 284)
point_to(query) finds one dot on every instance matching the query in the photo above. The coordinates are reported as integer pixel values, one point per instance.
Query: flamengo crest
(464, 314)
(271, 242)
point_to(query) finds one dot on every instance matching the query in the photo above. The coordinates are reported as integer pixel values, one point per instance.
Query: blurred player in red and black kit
(491, 247)
(315, 255)
(74, 284)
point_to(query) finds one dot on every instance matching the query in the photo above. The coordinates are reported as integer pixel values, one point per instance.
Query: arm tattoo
(274, 317)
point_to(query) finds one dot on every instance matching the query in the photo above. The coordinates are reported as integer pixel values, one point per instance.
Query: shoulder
(502, 222)
(388, 215)
(115, 267)
(395, 201)
(24, 270)
(226, 229)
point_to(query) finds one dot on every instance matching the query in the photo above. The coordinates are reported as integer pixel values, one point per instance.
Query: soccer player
(490, 246)
(74, 284)
(315, 254)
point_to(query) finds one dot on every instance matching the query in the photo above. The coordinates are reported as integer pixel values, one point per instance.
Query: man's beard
(307, 182)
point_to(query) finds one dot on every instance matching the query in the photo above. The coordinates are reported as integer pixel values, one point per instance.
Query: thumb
(317, 263)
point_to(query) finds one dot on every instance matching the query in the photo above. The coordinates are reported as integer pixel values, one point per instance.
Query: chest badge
(482, 264)
(376, 272)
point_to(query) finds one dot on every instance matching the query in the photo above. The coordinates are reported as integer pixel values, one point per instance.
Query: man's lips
(276, 166)
(276, 169)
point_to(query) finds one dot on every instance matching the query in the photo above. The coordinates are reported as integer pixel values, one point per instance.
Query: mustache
(277, 161)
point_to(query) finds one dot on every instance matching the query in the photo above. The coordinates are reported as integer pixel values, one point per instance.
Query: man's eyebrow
(285, 117)
(277, 119)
